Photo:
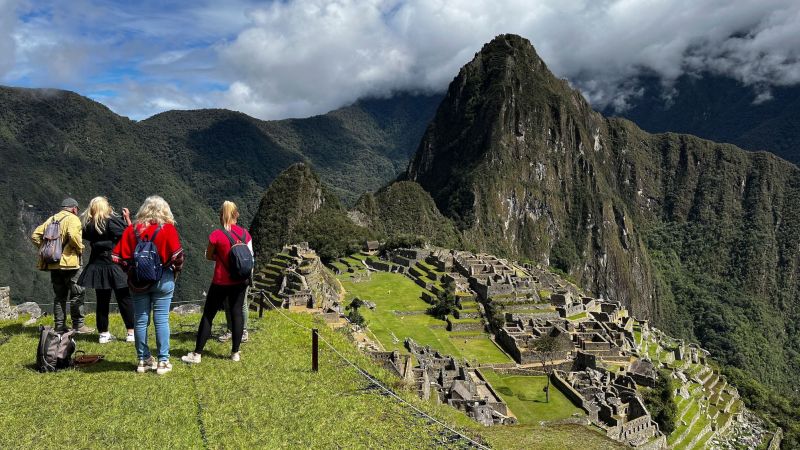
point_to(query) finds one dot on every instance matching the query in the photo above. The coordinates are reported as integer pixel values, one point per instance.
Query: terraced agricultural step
(689, 426)
(709, 384)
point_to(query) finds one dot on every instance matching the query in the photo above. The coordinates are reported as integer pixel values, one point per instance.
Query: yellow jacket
(71, 241)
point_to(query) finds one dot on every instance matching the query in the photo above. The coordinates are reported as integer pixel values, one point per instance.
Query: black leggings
(123, 297)
(217, 294)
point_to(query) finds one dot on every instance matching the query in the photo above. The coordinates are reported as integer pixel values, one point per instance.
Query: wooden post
(315, 350)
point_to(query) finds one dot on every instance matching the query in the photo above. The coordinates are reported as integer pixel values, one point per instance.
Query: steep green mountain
(56, 143)
(298, 207)
(404, 214)
(698, 236)
(721, 109)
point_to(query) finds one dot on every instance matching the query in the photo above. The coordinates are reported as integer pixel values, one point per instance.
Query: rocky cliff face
(699, 236)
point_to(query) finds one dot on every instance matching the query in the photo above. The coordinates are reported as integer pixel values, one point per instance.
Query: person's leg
(235, 299)
(214, 298)
(162, 298)
(61, 294)
(77, 295)
(103, 300)
(245, 307)
(141, 311)
(123, 297)
(228, 318)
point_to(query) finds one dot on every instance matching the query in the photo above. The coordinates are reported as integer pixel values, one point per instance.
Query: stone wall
(6, 310)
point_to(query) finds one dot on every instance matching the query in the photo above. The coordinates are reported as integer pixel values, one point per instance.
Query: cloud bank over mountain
(298, 58)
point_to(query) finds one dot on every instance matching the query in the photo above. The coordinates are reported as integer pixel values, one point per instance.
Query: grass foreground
(270, 399)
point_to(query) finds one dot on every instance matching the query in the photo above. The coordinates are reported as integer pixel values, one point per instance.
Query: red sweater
(222, 248)
(167, 242)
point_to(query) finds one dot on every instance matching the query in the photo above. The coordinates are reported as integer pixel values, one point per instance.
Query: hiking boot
(146, 364)
(192, 358)
(106, 337)
(163, 367)
(84, 330)
(245, 336)
(130, 338)
(225, 337)
(236, 357)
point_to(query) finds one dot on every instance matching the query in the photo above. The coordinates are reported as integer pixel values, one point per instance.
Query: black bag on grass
(55, 350)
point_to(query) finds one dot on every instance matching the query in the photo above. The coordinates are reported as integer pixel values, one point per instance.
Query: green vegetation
(270, 399)
(401, 313)
(526, 397)
(660, 402)
(353, 313)
(445, 303)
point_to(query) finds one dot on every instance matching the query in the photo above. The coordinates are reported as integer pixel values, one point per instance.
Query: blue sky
(276, 59)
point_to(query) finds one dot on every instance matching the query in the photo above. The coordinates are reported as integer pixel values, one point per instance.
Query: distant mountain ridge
(721, 109)
(56, 143)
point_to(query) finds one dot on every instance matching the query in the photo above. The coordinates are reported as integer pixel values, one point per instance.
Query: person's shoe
(245, 336)
(106, 337)
(146, 364)
(236, 357)
(84, 330)
(225, 337)
(192, 358)
(130, 338)
(163, 367)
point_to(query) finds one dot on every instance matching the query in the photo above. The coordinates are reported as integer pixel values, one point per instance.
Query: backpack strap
(230, 238)
(138, 234)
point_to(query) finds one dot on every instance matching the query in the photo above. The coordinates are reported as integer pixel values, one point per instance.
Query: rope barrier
(377, 383)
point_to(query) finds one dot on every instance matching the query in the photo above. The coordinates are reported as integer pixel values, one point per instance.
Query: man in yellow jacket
(64, 273)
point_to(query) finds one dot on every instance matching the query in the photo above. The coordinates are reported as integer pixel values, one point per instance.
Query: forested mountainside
(721, 109)
(698, 236)
(56, 143)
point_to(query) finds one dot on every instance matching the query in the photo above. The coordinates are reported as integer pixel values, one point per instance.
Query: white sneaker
(106, 337)
(236, 357)
(146, 364)
(163, 367)
(192, 358)
(130, 338)
(225, 337)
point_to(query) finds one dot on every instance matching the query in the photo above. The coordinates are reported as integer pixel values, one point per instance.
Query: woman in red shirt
(225, 290)
(155, 223)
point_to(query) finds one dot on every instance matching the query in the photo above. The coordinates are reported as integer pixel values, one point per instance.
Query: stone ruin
(10, 312)
(446, 380)
(305, 282)
(490, 276)
(612, 403)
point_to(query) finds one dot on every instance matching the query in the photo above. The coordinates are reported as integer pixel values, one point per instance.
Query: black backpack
(147, 263)
(55, 350)
(240, 259)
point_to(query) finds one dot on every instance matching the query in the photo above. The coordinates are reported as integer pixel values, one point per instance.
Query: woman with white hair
(151, 251)
(103, 228)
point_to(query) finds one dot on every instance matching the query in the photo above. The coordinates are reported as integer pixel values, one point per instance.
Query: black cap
(69, 202)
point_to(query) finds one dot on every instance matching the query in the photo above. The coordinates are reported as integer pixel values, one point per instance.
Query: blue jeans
(157, 299)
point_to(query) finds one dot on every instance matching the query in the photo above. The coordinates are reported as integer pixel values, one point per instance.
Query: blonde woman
(155, 224)
(103, 228)
(226, 290)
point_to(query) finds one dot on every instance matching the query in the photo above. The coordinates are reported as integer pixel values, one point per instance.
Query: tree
(548, 348)
(661, 402)
(354, 315)
(445, 302)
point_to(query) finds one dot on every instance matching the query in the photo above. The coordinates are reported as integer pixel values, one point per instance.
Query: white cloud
(306, 57)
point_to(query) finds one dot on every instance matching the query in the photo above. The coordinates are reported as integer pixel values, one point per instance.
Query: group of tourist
(120, 249)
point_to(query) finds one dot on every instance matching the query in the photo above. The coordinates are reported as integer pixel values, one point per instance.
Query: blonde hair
(228, 214)
(155, 210)
(97, 214)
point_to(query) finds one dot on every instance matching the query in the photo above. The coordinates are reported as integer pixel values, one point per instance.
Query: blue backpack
(147, 263)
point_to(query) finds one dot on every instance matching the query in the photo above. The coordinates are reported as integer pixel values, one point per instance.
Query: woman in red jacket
(225, 289)
(154, 223)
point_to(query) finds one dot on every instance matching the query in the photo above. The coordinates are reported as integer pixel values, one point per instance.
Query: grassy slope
(269, 400)
(394, 294)
(525, 396)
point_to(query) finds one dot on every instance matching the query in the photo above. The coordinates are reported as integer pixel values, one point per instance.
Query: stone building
(446, 380)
